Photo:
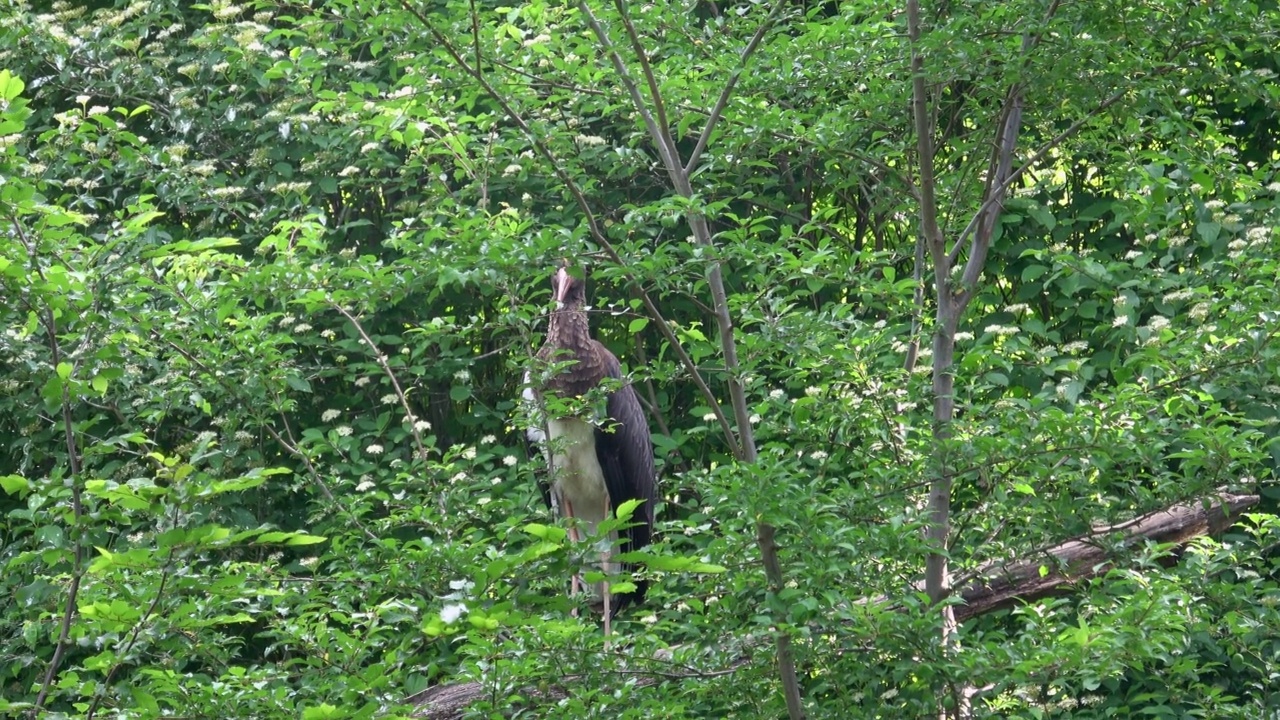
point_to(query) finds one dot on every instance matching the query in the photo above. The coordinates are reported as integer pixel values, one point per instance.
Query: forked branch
(593, 224)
(661, 136)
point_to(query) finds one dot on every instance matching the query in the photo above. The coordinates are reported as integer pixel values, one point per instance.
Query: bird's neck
(568, 326)
(569, 338)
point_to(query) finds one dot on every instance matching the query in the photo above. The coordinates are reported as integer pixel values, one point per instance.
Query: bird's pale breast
(576, 473)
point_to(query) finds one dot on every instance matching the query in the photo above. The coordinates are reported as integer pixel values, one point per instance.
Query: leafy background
(273, 271)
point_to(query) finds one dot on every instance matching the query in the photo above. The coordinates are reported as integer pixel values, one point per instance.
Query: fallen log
(998, 585)
(995, 586)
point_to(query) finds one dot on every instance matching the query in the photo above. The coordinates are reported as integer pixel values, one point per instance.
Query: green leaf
(52, 391)
(1208, 231)
(997, 379)
(637, 325)
(1032, 272)
(694, 333)
(551, 533)
(1043, 216)
(145, 701)
(64, 370)
(201, 245)
(324, 711)
(628, 507)
(217, 487)
(10, 86)
(14, 484)
(669, 563)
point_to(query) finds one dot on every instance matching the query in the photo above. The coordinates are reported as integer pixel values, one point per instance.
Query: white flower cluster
(288, 187)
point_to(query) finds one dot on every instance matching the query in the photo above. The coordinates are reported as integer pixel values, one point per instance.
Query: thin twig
(49, 321)
(381, 358)
(123, 653)
(291, 444)
(718, 108)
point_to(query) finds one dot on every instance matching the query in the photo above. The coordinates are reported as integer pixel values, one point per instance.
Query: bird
(598, 460)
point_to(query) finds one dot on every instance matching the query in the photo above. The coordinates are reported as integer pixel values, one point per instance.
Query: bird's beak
(562, 285)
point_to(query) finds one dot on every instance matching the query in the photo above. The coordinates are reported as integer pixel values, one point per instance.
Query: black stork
(597, 461)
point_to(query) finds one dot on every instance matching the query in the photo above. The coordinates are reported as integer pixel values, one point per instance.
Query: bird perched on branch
(598, 460)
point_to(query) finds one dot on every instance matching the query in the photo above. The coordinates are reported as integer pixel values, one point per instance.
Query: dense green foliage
(272, 274)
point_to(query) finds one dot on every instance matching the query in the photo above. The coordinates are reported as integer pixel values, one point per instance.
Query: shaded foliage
(273, 272)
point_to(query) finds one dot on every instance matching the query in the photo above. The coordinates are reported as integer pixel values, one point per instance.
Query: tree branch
(1045, 149)
(593, 224)
(127, 647)
(721, 101)
(661, 134)
(998, 585)
(642, 57)
(50, 323)
(381, 358)
(745, 440)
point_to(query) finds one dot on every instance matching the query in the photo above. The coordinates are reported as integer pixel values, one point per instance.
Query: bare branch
(127, 647)
(920, 113)
(450, 702)
(718, 108)
(997, 192)
(49, 321)
(661, 134)
(1008, 141)
(381, 359)
(745, 440)
(917, 308)
(593, 224)
(998, 585)
(994, 586)
(642, 57)
(291, 444)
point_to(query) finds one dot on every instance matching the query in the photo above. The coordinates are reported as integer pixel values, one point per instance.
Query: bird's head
(568, 288)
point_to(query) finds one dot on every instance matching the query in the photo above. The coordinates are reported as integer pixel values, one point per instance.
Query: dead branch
(999, 585)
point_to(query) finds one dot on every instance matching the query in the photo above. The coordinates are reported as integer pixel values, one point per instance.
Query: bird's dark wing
(625, 451)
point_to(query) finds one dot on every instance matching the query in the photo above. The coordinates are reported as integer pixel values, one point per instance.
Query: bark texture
(1000, 585)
